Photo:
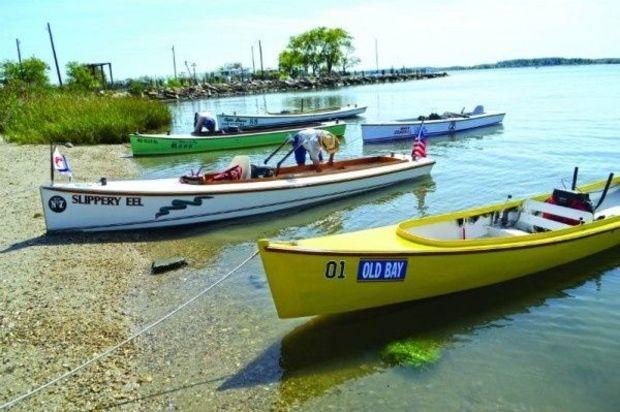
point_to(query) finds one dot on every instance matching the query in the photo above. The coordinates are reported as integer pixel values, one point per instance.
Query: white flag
(61, 164)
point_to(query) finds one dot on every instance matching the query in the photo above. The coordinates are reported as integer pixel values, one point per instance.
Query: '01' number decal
(334, 270)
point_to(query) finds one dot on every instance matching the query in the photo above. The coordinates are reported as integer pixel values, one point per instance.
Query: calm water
(548, 342)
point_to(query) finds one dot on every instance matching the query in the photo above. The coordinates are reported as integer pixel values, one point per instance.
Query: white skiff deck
(283, 181)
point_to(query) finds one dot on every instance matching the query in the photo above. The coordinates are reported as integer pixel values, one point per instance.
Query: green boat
(162, 144)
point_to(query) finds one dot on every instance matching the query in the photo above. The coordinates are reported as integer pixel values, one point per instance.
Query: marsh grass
(52, 115)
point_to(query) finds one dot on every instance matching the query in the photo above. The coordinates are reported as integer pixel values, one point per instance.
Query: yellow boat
(437, 255)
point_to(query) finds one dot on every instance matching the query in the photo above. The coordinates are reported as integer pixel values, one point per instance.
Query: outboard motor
(478, 110)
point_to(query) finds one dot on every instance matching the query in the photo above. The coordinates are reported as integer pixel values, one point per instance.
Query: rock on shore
(212, 90)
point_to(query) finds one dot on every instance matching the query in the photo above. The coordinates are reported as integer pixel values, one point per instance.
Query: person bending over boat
(204, 120)
(313, 142)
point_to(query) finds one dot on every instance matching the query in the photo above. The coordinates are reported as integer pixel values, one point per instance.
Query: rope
(126, 341)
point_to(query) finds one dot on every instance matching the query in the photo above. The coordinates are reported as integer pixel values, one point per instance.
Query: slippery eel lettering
(96, 200)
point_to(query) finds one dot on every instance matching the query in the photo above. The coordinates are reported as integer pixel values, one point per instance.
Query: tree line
(318, 51)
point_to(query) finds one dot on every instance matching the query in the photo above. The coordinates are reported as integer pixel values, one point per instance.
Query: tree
(290, 62)
(81, 77)
(335, 43)
(348, 60)
(318, 49)
(31, 71)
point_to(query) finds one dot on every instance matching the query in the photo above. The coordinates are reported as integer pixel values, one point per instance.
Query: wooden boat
(433, 126)
(162, 144)
(139, 204)
(438, 255)
(248, 121)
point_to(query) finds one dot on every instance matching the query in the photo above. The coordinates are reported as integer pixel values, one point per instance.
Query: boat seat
(609, 212)
(495, 231)
(562, 211)
(530, 218)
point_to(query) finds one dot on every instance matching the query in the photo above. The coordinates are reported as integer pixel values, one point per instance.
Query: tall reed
(53, 115)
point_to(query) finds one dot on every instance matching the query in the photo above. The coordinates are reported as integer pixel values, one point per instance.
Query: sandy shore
(62, 298)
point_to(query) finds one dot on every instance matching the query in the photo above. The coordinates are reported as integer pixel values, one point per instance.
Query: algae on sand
(412, 352)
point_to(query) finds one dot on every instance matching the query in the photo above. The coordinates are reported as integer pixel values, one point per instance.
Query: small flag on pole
(419, 145)
(61, 164)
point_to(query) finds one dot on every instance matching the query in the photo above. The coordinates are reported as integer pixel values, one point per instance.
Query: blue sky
(136, 35)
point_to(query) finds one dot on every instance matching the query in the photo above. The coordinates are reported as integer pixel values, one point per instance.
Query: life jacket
(570, 199)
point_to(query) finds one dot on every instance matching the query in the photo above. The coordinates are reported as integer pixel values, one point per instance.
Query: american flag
(419, 145)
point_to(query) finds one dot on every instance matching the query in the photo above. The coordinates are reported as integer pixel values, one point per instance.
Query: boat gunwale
(361, 109)
(411, 165)
(281, 247)
(418, 122)
(443, 247)
(246, 132)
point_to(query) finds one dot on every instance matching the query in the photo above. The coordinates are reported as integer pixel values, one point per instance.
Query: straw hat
(329, 142)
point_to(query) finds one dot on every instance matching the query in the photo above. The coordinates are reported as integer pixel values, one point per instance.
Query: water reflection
(312, 102)
(328, 351)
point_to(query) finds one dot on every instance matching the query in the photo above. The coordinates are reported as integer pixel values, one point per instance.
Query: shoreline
(207, 90)
(64, 298)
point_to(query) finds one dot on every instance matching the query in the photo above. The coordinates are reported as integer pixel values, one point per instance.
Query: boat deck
(289, 177)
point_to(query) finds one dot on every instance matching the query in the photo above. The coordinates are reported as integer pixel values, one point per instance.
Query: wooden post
(52, 162)
(49, 30)
(260, 51)
(253, 66)
(174, 62)
(111, 78)
(19, 52)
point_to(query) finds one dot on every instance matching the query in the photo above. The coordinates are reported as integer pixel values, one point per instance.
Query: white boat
(140, 204)
(248, 121)
(436, 125)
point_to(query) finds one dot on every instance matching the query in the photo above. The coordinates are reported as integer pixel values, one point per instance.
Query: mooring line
(129, 339)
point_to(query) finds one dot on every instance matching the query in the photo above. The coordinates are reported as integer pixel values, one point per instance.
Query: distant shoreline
(539, 62)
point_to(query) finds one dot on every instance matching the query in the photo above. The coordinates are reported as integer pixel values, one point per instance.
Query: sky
(136, 36)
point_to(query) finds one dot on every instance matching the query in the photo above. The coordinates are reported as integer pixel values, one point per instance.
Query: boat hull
(304, 283)
(399, 130)
(153, 145)
(270, 120)
(166, 202)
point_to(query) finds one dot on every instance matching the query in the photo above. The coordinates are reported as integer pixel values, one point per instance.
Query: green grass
(53, 115)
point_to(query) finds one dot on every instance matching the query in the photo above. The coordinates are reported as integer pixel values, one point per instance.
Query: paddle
(275, 151)
(286, 157)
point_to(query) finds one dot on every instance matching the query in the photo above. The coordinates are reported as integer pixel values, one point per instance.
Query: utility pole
(253, 65)
(49, 30)
(19, 52)
(189, 71)
(260, 51)
(376, 55)
(174, 63)
(194, 67)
